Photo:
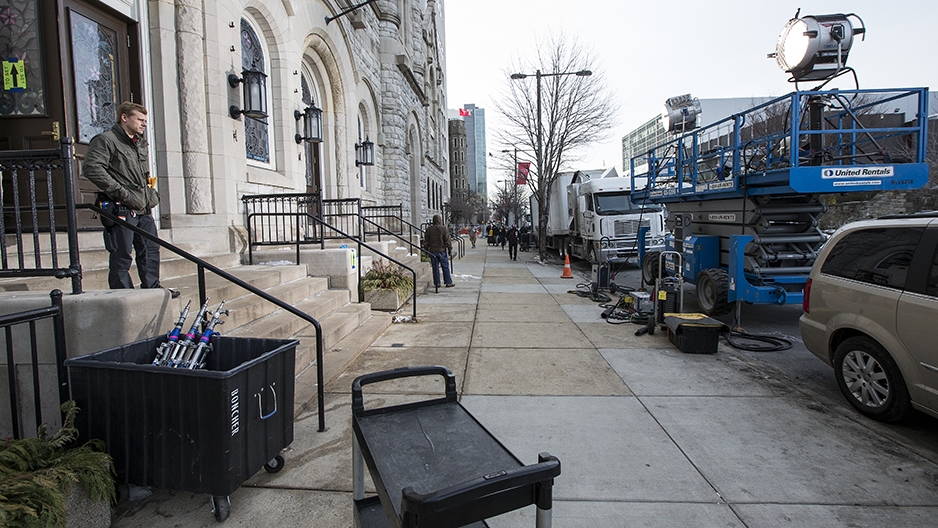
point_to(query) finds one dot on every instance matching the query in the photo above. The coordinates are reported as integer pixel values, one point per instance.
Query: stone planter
(385, 300)
(82, 512)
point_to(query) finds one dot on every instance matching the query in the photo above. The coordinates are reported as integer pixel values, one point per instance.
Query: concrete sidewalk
(646, 435)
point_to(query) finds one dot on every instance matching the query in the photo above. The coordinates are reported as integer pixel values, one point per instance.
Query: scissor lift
(744, 195)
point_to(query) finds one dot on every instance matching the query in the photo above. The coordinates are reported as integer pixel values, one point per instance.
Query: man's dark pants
(123, 244)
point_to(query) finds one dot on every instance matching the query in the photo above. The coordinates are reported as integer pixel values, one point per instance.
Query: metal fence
(271, 219)
(389, 217)
(37, 193)
(25, 360)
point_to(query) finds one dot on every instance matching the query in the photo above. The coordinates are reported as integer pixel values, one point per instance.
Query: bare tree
(509, 203)
(576, 110)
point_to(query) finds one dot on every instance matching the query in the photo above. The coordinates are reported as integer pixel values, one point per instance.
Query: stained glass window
(255, 130)
(94, 56)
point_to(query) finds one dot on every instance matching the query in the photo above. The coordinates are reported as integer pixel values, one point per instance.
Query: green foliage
(385, 275)
(36, 474)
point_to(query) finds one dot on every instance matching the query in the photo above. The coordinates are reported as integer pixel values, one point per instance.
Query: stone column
(190, 67)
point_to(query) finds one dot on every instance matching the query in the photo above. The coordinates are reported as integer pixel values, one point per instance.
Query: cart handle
(440, 504)
(260, 403)
(358, 403)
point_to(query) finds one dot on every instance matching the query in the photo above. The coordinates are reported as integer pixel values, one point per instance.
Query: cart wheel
(275, 464)
(613, 288)
(221, 507)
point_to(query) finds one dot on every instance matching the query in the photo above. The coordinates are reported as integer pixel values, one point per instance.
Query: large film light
(814, 48)
(680, 113)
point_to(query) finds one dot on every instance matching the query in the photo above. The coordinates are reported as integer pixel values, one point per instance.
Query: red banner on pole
(522, 176)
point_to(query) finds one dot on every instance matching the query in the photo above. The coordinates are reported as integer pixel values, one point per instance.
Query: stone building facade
(378, 74)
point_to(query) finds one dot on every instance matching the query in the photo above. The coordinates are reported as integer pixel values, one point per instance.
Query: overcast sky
(649, 51)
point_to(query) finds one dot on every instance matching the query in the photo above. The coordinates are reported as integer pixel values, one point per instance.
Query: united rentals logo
(858, 172)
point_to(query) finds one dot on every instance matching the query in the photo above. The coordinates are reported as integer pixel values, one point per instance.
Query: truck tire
(650, 267)
(713, 286)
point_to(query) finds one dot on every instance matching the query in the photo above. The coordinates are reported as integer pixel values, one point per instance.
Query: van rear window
(878, 256)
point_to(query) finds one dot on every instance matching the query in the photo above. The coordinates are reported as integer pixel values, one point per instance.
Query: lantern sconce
(312, 124)
(365, 153)
(254, 94)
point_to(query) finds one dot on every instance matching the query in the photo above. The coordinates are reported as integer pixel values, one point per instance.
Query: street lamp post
(538, 75)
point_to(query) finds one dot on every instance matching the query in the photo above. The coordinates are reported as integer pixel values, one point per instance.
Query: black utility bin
(201, 431)
(434, 464)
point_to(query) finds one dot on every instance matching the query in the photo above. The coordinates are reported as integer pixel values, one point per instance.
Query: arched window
(257, 143)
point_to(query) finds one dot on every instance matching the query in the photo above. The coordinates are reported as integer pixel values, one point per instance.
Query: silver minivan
(871, 312)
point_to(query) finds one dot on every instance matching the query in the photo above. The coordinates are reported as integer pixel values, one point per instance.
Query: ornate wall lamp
(365, 153)
(254, 94)
(312, 124)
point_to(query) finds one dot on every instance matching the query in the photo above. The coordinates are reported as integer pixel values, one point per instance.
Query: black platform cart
(200, 431)
(434, 464)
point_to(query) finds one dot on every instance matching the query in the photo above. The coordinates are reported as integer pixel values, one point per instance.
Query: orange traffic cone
(567, 272)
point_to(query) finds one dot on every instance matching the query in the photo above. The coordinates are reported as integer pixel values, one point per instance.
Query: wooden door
(78, 61)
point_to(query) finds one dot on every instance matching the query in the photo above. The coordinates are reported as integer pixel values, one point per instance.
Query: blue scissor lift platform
(744, 194)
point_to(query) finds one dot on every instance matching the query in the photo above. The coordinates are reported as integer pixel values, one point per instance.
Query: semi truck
(591, 217)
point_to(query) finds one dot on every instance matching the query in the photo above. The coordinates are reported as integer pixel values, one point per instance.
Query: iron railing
(388, 217)
(270, 218)
(37, 195)
(29, 318)
(298, 218)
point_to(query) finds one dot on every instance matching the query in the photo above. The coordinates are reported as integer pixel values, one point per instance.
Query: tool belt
(113, 207)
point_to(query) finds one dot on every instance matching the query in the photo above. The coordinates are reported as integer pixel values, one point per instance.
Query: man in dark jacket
(439, 245)
(513, 243)
(117, 164)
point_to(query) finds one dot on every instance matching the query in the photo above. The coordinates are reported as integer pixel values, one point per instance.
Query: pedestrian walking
(472, 236)
(504, 237)
(513, 243)
(117, 163)
(439, 245)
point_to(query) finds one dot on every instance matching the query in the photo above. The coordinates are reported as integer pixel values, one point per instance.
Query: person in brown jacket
(439, 245)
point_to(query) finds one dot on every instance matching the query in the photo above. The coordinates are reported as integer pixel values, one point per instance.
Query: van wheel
(870, 380)
(713, 287)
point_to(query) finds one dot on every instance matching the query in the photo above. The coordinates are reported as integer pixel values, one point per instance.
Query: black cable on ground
(585, 290)
(771, 343)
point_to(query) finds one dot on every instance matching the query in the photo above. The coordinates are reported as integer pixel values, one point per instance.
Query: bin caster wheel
(221, 507)
(275, 465)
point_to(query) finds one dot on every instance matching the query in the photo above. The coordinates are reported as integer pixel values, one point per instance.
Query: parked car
(871, 312)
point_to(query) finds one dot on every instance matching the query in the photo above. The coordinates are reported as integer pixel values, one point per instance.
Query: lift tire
(650, 267)
(713, 287)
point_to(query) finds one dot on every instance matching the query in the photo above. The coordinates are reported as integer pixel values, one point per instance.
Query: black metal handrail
(203, 265)
(12, 162)
(58, 331)
(395, 213)
(342, 212)
(360, 243)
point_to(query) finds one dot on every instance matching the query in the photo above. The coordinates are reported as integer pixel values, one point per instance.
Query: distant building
(476, 152)
(458, 160)
(652, 133)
